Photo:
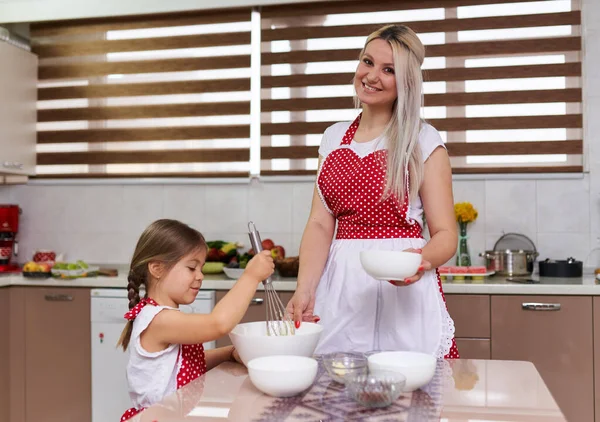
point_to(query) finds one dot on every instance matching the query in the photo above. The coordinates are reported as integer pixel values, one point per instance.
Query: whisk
(279, 322)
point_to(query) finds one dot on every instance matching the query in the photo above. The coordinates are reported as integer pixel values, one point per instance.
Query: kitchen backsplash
(101, 223)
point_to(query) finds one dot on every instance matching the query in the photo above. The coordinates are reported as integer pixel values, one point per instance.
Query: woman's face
(374, 80)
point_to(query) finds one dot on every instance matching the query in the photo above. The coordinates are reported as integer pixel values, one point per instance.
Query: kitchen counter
(495, 285)
(462, 390)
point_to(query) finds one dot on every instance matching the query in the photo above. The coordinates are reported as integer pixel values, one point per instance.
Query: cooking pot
(510, 262)
(561, 268)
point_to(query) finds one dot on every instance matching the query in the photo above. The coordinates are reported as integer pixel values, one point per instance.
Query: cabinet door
(597, 355)
(471, 315)
(474, 348)
(57, 355)
(256, 312)
(18, 115)
(558, 342)
(4, 355)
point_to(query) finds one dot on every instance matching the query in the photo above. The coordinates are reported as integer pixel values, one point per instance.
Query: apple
(268, 244)
(277, 252)
(44, 268)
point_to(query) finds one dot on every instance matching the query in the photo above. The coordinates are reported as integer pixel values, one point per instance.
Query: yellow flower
(465, 213)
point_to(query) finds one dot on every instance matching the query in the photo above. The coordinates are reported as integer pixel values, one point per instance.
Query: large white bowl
(418, 368)
(282, 376)
(390, 265)
(251, 341)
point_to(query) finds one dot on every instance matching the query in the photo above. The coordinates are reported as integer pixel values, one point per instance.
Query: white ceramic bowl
(251, 341)
(282, 376)
(234, 273)
(418, 368)
(390, 265)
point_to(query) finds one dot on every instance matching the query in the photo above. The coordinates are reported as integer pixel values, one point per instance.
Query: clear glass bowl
(339, 365)
(374, 391)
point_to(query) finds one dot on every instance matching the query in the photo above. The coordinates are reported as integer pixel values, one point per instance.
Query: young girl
(166, 344)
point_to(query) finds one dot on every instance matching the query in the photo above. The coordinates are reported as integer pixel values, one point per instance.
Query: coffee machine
(9, 228)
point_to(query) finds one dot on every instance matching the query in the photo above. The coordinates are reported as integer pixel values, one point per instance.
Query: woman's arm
(314, 250)
(438, 205)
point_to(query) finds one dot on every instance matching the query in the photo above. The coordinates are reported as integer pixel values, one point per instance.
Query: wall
(100, 223)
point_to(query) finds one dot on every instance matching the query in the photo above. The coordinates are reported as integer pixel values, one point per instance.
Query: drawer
(471, 315)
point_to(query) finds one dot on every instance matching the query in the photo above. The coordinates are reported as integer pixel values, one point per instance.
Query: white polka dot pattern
(193, 364)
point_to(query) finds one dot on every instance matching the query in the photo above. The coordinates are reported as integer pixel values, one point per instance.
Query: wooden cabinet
(471, 315)
(50, 356)
(256, 311)
(555, 333)
(4, 354)
(474, 348)
(596, 310)
(18, 115)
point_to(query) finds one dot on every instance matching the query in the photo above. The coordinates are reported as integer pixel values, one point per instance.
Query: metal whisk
(279, 322)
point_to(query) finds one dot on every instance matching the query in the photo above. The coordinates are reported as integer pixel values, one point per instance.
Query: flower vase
(463, 257)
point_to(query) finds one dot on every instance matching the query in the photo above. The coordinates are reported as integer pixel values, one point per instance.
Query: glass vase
(463, 257)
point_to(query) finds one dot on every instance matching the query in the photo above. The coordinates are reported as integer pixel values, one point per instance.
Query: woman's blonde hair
(404, 162)
(165, 241)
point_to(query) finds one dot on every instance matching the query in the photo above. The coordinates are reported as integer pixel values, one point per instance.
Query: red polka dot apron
(358, 312)
(191, 359)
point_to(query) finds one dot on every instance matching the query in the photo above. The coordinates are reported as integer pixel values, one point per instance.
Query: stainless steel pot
(510, 262)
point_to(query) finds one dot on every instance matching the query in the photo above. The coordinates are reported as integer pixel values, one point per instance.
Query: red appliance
(9, 228)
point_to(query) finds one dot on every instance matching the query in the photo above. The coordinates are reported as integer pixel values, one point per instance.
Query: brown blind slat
(136, 157)
(144, 134)
(449, 100)
(435, 75)
(142, 66)
(141, 89)
(144, 112)
(142, 44)
(479, 48)
(443, 25)
(82, 26)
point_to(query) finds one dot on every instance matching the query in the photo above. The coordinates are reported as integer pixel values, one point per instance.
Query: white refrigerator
(110, 397)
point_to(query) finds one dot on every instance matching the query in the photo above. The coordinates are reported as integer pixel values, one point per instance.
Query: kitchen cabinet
(256, 311)
(4, 354)
(555, 333)
(50, 356)
(596, 309)
(18, 115)
(471, 315)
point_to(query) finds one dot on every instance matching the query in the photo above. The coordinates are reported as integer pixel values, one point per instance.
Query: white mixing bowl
(418, 368)
(251, 341)
(390, 265)
(282, 376)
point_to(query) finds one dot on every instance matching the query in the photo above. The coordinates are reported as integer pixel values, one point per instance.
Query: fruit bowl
(288, 267)
(390, 265)
(36, 274)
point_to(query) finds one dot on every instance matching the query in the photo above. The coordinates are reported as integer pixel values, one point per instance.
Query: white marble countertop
(494, 285)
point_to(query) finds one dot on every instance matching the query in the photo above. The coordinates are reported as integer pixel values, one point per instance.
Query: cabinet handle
(541, 306)
(257, 301)
(59, 298)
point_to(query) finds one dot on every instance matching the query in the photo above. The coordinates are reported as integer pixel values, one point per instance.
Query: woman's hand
(301, 306)
(425, 266)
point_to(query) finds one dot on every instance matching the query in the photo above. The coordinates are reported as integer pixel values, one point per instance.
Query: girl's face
(374, 80)
(181, 284)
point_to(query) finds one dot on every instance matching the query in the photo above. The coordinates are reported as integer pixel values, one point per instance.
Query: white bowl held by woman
(251, 341)
(390, 265)
(418, 368)
(282, 376)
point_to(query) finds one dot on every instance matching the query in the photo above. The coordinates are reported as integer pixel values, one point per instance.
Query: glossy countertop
(533, 285)
(461, 390)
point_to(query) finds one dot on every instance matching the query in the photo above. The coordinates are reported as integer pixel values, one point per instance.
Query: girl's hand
(261, 266)
(425, 266)
(301, 306)
(235, 356)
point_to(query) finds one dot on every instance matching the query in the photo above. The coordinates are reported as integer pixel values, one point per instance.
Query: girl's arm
(438, 205)
(215, 357)
(175, 327)
(314, 250)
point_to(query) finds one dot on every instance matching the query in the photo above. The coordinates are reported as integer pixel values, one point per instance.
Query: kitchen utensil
(390, 265)
(418, 368)
(522, 280)
(251, 341)
(340, 365)
(279, 322)
(282, 376)
(375, 390)
(514, 254)
(561, 268)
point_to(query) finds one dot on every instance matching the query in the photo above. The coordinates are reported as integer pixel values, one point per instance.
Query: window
(170, 95)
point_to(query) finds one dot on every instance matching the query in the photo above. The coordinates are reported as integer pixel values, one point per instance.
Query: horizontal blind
(502, 79)
(145, 96)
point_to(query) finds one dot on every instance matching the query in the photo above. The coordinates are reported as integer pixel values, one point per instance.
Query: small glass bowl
(374, 391)
(339, 365)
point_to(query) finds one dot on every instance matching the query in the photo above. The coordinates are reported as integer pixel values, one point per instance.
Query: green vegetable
(216, 244)
(213, 267)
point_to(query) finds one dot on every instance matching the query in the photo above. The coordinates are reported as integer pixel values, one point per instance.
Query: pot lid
(514, 242)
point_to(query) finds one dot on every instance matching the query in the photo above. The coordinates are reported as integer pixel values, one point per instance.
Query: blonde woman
(378, 176)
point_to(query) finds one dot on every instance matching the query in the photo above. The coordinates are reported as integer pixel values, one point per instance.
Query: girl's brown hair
(165, 241)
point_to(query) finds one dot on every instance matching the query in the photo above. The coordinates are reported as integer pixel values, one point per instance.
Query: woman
(377, 177)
